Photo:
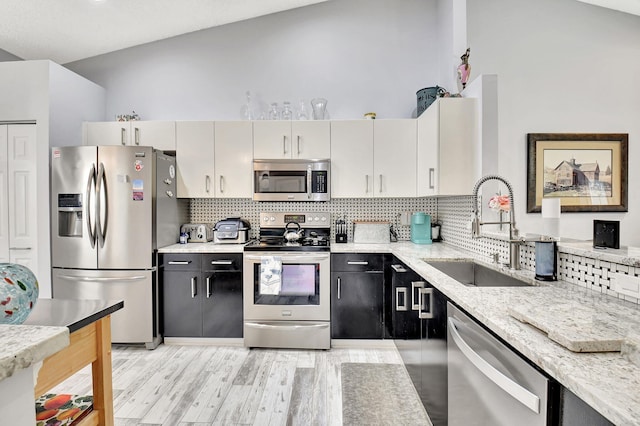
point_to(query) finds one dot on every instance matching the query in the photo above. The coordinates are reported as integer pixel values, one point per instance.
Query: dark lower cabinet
(202, 295)
(357, 296)
(419, 323)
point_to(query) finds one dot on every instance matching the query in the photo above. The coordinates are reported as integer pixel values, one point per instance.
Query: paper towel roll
(551, 208)
(551, 217)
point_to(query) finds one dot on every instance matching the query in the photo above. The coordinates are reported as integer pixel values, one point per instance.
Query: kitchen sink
(473, 274)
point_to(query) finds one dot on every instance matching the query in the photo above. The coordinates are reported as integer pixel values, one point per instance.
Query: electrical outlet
(628, 285)
(405, 218)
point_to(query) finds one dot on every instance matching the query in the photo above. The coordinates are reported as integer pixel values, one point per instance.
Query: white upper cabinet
(373, 158)
(352, 158)
(394, 158)
(281, 139)
(158, 134)
(448, 148)
(233, 159)
(195, 158)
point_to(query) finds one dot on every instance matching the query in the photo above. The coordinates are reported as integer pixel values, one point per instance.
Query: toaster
(198, 232)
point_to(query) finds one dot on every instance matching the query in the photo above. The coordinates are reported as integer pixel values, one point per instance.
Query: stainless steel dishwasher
(489, 384)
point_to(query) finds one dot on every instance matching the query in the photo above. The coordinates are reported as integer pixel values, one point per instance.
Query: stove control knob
(324, 219)
(310, 219)
(317, 218)
(272, 219)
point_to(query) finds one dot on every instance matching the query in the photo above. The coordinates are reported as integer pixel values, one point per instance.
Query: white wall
(361, 55)
(563, 67)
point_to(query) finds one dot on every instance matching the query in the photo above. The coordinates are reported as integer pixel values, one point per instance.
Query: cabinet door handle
(398, 268)
(194, 290)
(179, 262)
(381, 184)
(432, 172)
(284, 144)
(136, 134)
(123, 136)
(208, 281)
(415, 301)
(207, 183)
(366, 183)
(298, 144)
(357, 262)
(221, 183)
(339, 287)
(222, 262)
(424, 292)
(401, 291)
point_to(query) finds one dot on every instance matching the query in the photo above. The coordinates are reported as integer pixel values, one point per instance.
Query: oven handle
(289, 257)
(280, 327)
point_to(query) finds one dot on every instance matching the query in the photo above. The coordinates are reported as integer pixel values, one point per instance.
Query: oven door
(286, 286)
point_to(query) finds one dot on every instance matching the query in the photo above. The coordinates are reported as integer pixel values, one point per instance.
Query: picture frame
(588, 171)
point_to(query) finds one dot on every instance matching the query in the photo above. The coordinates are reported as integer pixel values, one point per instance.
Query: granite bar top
(46, 331)
(22, 346)
(607, 381)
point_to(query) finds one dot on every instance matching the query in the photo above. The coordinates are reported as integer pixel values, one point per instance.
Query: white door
(428, 155)
(4, 196)
(233, 159)
(108, 133)
(22, 190)
(311, 140)
(394, 155)
(352, 159)
(195, 155)
(158, 134)
(271, 139)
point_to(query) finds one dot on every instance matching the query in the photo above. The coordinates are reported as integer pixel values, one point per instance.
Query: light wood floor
(204, 385)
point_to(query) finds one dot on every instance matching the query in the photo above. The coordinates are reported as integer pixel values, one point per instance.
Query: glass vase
(18, 293)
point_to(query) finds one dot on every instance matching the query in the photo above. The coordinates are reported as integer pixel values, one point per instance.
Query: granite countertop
(607, 381)
(202, 248)
(22, 346)
(46, 331)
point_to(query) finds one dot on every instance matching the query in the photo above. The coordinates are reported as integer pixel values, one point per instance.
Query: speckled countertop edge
(609, 382)
(22, 346)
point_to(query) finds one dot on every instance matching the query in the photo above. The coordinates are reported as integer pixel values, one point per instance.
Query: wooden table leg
(102, 373)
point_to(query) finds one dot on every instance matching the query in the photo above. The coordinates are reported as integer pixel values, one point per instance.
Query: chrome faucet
(514, 237)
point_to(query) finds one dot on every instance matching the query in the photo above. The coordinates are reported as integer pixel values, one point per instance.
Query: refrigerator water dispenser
(70, 215)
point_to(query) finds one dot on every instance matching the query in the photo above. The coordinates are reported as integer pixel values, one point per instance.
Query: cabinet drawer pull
(401, 291)
(208, 281)
(194, 290)
(222, 262)
(339, 287)
(398, 268)
(357, 262)
(421, 313)
(179, 262)
(415, 295)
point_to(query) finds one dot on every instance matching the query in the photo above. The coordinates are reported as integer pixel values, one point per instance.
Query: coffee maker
(420, 228)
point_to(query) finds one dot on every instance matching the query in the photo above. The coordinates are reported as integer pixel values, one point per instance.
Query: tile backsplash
(454, 214)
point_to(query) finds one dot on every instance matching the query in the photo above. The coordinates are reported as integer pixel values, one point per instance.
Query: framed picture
(588, 171)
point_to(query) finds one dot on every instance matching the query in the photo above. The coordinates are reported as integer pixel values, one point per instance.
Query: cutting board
(371, 232)
(576, 327)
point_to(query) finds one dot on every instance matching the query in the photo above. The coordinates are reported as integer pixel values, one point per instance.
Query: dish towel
(270, 274)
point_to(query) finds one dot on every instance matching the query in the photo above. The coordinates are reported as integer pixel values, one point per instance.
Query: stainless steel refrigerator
(112, 207)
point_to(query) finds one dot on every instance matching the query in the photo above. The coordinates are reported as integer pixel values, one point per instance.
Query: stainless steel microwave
(291, 180)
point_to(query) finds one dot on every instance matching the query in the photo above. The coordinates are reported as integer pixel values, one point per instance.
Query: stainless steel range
(287, 282)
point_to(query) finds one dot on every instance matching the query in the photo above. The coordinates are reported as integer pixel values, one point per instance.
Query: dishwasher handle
(522, 395)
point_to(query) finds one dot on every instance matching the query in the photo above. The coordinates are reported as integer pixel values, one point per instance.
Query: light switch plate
(628, 285)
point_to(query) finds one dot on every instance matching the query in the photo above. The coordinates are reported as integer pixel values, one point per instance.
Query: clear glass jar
(274, 114)
(302, 111)
(287, 113)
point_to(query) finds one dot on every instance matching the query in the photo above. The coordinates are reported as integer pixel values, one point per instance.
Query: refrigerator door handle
(102, 188)
(91, 185)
